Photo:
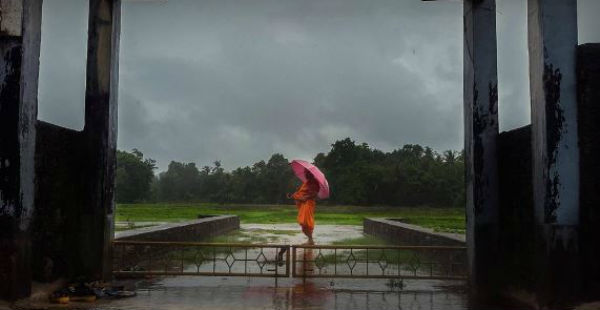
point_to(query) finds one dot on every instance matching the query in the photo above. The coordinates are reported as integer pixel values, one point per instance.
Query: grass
(440, 219)
(366, 239)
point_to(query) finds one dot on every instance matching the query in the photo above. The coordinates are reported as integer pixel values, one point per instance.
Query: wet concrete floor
(210, 292)
(260, 293)
(200, 292)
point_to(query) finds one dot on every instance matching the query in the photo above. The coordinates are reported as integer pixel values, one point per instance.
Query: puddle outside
(290, 234)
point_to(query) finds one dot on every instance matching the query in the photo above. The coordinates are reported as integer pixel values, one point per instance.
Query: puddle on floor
(289, 234)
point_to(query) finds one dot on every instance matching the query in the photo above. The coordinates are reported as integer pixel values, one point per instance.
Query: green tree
(179, 183)
(357, 173)
(134, 176)
(278, 175)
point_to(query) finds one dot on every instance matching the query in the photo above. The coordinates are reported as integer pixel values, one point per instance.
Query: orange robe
(305, 202)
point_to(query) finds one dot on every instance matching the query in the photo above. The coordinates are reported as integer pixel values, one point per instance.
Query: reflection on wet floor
(239, 293)
(205, 292)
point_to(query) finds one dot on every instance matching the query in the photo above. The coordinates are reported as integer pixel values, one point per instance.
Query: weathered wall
(406, 234)
(20, 29)
(516, 242)
(75, 172)
(588, 68)
(552, 42)
(60, 195)
(14, 227)
(191, 231)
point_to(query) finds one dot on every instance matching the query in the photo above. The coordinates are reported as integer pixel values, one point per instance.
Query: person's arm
(306, 192)
(301, 194)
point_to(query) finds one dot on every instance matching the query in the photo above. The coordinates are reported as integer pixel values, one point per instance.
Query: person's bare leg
(308, 232)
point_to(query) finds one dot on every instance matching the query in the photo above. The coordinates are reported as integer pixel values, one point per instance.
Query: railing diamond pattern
(138, 258)
(414, 262)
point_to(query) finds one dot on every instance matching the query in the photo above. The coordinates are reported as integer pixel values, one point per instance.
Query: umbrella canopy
(299, 166)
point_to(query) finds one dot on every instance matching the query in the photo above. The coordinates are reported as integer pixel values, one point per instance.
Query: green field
(440, 219)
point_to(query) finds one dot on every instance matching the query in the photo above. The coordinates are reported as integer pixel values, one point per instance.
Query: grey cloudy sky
(238, 80)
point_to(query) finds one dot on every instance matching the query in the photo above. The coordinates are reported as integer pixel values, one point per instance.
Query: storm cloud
(238, 80)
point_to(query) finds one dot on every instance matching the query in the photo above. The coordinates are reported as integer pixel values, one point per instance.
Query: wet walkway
(197, 292)
(258, 293)
(211, 292)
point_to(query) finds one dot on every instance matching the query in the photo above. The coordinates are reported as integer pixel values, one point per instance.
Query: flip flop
(60, 297)
(119, 293)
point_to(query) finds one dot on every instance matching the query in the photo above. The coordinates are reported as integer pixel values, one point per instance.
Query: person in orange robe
(305, 198)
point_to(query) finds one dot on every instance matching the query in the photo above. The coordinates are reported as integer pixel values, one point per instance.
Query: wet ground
(291, 234)
(259, 293)
(210, 292)
(192, 292)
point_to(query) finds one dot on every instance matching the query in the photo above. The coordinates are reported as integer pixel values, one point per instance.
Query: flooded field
(290, 234)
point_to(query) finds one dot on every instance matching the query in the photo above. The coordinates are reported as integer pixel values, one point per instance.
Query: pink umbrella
(299, 166)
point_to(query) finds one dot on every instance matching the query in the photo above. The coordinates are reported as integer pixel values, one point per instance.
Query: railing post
(335, 261)
(294, 261)
(367, 261)
(276, 269)
(287, 261)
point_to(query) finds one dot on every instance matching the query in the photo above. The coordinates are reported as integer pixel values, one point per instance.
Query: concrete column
(552, 69)
(20, 26)
(588, 85)
(481, 135)
(101, 134)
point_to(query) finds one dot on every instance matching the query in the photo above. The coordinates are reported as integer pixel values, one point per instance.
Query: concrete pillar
(588, 85)
(20, 26)
(481, 135)
(516, 242)
(101, 134)
(552, 26)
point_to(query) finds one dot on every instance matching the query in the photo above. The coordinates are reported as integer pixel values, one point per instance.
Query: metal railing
(139, 258)
(408, 262)
(131, 258)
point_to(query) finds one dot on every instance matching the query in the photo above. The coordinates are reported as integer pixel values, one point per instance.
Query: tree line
(357, 173)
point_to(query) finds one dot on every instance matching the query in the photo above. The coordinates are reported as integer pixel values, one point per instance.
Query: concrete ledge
(400, 233)
(189, 231)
